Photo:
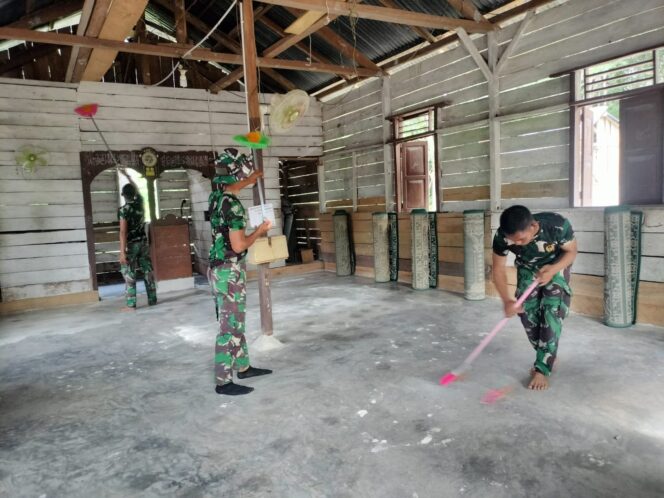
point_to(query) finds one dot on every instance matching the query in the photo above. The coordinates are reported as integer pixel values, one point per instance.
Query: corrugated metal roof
(374, 39)
(13, 10)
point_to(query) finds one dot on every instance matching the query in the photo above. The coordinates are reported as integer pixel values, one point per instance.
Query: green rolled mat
(381, 246)
(394, 246)
(433, 250)
(419, 239)
(473, 255)
(622, 264)
(342, 243)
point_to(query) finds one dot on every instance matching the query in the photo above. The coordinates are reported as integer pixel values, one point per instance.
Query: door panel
(415, 175)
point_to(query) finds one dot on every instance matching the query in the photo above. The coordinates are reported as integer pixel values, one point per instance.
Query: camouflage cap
(224, 175)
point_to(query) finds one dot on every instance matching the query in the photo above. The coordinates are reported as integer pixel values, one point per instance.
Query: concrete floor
(95, 402)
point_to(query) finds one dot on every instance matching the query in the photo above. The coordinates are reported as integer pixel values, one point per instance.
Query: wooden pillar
(254, 118)
(388, 148)
(495, 173)
(151, 198)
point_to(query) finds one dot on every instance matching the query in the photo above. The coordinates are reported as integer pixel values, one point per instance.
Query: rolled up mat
(394, 246)
(433, 250)
(419, 239)
(622, 263)
(342, 248)
(381, 246)
(473, 255)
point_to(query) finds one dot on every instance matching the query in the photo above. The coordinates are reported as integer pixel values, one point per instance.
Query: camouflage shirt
(226, 214)
(544, 249)
(133, 213)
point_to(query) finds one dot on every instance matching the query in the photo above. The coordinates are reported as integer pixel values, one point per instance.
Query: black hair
(515, 219)
(129, 191)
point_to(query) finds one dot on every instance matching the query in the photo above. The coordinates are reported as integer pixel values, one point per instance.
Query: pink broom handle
(452, 376)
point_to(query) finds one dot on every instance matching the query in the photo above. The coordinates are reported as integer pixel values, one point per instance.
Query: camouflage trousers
(228, 283)
(544, 312)
(138, 257)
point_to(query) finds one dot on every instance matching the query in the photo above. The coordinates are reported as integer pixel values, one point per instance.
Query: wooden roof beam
(259, 12)
(175, 51)
(337, 41)
(272, 51)
(467, 9)
(47, 15)
(118, 24)
(421, 32)
(226, 41)
(385, 14)
(86, 14)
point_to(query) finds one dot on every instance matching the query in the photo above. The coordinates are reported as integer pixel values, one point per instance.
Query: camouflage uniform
(227, 277)
(548, 305)
(137, 252)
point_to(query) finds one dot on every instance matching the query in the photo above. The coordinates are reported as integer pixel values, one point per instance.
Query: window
(415, 153)
(618, 110)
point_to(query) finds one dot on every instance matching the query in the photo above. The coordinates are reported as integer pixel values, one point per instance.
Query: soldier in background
(134, 248)
(227, 271)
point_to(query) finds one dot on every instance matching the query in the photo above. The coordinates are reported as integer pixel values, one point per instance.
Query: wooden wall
(535, 147)
(587, 272)
(535, 135)
(42, 227)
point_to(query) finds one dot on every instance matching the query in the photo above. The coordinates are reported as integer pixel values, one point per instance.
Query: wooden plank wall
(105, 202)
(167, 119)
(42, 226)
(535, 147)
(354, 121)
(172, 189)
(299, 183)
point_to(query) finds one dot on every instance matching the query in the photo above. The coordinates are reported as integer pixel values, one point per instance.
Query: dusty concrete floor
(94, 402)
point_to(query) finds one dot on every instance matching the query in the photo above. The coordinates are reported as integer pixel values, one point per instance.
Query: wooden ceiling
(116, 40)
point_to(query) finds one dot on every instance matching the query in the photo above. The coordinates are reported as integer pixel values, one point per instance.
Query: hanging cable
(186, 54)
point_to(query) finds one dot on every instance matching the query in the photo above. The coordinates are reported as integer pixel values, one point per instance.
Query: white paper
(259, 213)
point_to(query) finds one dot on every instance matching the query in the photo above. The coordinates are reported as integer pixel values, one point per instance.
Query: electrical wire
(186, 54)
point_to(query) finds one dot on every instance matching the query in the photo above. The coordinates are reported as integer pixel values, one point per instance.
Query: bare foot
(538, 382)
(125, 309)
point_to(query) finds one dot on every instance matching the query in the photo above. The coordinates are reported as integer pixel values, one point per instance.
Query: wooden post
(495, 173)
(388, 148)
(151, 198)
(254, 117)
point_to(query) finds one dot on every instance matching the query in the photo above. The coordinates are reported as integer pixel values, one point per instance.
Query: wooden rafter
(338, 42)
(259, 13)
(272, 51)
(180, 21)
(301, 46)
(226, 41)
(467, 9)
(421, 32)
(86, 13)
(122, 17)
(26, 57)
(502, 14)
(175, 51)
(46, 15)
(79, 60)
(385, 14)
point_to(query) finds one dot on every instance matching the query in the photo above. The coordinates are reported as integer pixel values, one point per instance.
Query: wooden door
(641, 149)
(415, 168)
